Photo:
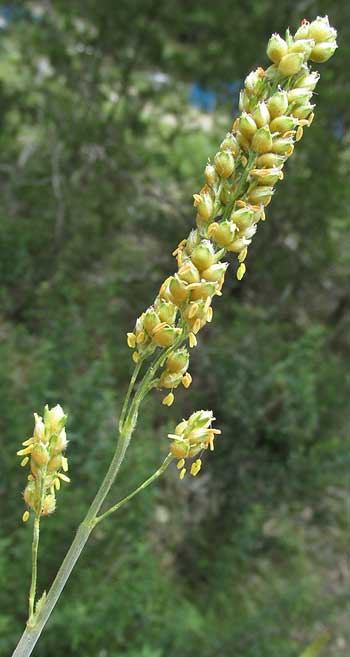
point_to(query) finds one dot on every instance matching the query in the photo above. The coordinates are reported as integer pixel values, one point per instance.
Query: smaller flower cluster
(44, 454)
(315, 41)
(191, 437)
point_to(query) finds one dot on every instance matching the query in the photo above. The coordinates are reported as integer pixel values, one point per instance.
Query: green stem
(128, 394)
(137, 490)
(35, 546)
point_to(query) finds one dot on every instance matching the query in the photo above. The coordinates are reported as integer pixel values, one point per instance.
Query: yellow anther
(186, 380)
(64, 464)
(311, 118)
(197, 199)
(209, 314)
(196, 326)
(25, 516)
(159, 327)
(30, 477)
(192, 340)
(180, 464)
(131, 340)
(136, 357)
(263, 215)
(193, 310)
(182, 473)
(195, 467)
(57, 483)
(168, 400)
(212, 229)
(29, 441)
(207, 305)
(24, 461)
(299, 134)
(243, 254)
(63, 477)
(241, 204)
(241, 271)
(244, 160)
(27, 450)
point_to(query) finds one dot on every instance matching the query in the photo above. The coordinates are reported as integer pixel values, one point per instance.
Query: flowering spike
(46, 460)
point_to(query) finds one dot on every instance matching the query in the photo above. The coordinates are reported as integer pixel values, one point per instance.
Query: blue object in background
(206, 99)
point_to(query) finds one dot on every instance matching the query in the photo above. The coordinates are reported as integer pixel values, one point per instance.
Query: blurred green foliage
(99, 158)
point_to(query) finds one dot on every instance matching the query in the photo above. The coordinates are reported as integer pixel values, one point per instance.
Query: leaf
(316, 646)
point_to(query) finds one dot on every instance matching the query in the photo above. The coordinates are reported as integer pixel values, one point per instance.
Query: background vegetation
(101, 150)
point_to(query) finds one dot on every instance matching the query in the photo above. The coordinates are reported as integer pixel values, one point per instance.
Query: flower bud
(230, 143)
(238, 245)
(224, 163)
(59, 443)
(165, 336)
(189, 273)
(150, 320)
(252, 82)
(267, 176)
(243, 141)
(304, 46)
(203, 290)
(223, 233)
(243, 218)
(49, 505)
(178, 290)
(291, 64)
(203, 255)
(40, 455)
(283, 145)
(303, 111)
(282, 124)
(308, 80)
(323, 51)
(244, 102)
(320, 30)
(204, 204)
(31, 495)
(55, 463)
(278, 104)
(54, 419)
(261, 115)
(192, 241)
(276, 48)
(170, 379)
(178, 361)
(210, 175)
(269, 160)
(299, 95)
(262, 140)
(303, 31)
(166, 311)
(180, 449)
(261, 195)
(215, 272)
(247, 125)
(39, 429)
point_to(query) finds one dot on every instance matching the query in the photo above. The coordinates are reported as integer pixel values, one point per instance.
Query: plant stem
(35, 546)
(137, 490)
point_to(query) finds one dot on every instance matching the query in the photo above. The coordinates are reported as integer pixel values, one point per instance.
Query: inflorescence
(191, 438)
(275, 107)
(43, 452)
